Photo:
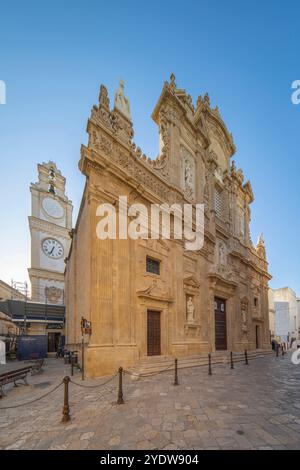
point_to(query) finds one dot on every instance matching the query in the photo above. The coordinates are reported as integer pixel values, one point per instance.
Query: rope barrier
(94, 386)
(32, 401)
(67, 380)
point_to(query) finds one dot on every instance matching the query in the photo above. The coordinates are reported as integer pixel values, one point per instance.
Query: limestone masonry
(153, 297)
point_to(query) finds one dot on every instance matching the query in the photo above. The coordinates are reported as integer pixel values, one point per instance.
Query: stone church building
(151, 297)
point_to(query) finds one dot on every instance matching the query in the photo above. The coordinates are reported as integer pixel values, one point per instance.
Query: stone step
(154, 364)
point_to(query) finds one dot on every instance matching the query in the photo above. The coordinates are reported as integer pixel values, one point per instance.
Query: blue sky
(54, 55)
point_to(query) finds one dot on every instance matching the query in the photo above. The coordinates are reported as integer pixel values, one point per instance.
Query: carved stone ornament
(53, 294)
(188, 173)
(161, 162)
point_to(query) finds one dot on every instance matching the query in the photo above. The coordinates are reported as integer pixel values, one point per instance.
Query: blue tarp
(32, 347)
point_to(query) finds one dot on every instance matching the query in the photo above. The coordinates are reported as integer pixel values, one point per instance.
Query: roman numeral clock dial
(52, 248)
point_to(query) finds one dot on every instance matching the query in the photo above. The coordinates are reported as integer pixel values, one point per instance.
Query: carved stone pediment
(155, 292)
(222, 271)
(220, 283)
(191, 281)
(156, 245)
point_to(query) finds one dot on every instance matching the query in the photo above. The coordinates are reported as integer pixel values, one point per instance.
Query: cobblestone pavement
(250, 407)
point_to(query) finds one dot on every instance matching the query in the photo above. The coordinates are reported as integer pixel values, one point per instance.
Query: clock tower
(50, 224)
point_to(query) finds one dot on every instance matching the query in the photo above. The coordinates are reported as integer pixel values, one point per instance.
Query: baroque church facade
(153, 297)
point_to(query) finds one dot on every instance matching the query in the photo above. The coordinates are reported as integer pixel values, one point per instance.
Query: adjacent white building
(298, 311)
(286, 308)
(271, 312)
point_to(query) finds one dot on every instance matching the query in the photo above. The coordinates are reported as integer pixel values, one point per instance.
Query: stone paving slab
(250, 407)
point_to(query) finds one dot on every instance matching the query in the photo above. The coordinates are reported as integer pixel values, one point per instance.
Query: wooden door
(257, 336)
(153, 333)
(220, 325)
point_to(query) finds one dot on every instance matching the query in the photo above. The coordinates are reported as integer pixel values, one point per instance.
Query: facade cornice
(44, 225)
(62, 199)
(46, 274)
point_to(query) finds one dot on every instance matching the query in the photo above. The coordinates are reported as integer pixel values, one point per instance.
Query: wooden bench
(37, 366)
(13, 376)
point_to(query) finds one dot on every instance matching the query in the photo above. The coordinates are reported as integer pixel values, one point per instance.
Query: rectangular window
(152, 266)
(255, 301)
(218, 202)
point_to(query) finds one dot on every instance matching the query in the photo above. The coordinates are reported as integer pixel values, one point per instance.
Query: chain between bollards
(231, 360)
(66, 409)
(176, 373)
(209, 365)
(120, 400)
(246, 358)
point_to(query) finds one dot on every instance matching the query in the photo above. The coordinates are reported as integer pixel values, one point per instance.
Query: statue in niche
(188, 173)
(190, 309)
(188, 177)
(244, 307)
(222, 254)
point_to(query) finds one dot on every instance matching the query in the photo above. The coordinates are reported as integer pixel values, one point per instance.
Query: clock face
(52, 208)
(52, 248)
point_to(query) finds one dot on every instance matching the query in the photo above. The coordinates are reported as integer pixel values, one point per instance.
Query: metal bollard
(277, 350)
(231, 360)
(209, 365)
(120, 400)
(246, 358)
(282, 350)
(72, 365)
(66, 409)
(176, 373)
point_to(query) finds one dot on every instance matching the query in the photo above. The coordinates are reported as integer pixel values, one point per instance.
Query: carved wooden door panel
(220, 325)
(153, 333)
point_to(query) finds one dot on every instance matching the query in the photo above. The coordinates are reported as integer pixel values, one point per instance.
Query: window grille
(218, 202)
(152, 266)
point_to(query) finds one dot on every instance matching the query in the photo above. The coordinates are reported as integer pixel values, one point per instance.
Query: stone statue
(188, 177)
(190, 311)
(244, 316)
(121, 102)
(188, 174)
(244, 321)
(222, 254)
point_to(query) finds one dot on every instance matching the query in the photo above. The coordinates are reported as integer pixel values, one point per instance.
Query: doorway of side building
(153, 333)
(257, 337)
(53, 342)
(220, 325)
